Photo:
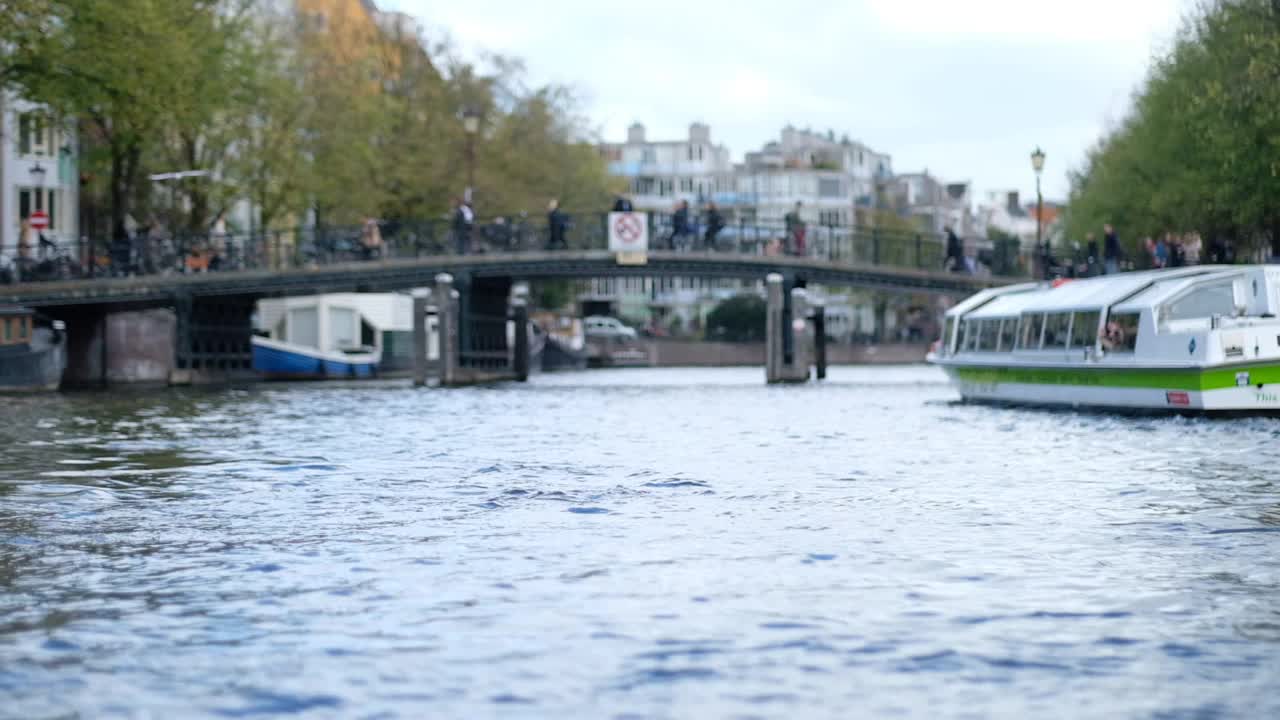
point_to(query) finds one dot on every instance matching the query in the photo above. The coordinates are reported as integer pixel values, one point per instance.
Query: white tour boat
(1187, 339)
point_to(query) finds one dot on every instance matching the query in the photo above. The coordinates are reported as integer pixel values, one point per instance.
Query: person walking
(1110, 250)
(954, 260)
(463, 220)
(557, 225)
(795, 230)
(715, 223)
(1091, 254)
(679, 227)
(1162, 253)
(370, 240)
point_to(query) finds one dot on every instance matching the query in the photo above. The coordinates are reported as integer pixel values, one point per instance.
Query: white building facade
(38, 172)
(830, 178)
(662, 173)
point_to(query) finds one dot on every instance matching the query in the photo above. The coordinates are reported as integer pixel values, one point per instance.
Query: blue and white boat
(332, 336)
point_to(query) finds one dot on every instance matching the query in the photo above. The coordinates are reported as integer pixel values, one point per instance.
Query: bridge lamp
(471, 124)
(37, 174)
(1037, 164)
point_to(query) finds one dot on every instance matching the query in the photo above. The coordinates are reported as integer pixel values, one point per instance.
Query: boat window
(948, 335)
(1056, 326)
(1121, 333)
(988, 335)
(970, 335)
(304, 327)
(342, 328)
(1084, 330)
(1008, 334)
(961, 326)
(1202, 302)
(1032, 326)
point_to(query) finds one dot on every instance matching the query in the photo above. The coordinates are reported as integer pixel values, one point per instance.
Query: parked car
(604, 326)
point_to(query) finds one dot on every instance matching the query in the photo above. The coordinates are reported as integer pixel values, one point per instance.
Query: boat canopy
(977, 300)
(1086, 295)
(1165, 290)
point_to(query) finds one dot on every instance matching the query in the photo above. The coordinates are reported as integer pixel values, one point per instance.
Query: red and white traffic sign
(38, 220)
(628, 232)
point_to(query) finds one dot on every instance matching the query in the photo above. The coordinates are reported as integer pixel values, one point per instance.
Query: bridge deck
(397, 274)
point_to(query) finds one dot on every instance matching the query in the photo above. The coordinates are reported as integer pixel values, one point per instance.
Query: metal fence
(162, 254)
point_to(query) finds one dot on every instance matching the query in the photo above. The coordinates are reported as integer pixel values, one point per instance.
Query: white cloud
(966, 89)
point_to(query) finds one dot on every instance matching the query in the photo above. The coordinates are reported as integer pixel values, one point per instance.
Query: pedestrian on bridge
(679, 226)
(954, 260)
(715, 223)
(795, 231)
(464, 218)
(1110, 250)
(557, 225)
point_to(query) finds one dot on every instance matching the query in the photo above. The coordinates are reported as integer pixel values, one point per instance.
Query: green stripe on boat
(1154, 378)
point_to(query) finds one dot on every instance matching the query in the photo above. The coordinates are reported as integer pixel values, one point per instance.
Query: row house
(38, 173)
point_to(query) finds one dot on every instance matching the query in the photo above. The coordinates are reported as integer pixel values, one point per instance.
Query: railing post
(520, 361)
(801, 336)
(773, 329)
(820, 340)
(875, 246)
(419, 340)
(919, 257)
(446, 299)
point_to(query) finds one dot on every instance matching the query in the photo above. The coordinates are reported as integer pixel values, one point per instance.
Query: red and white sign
(38, 220)
(1180, 399)
(628, 232)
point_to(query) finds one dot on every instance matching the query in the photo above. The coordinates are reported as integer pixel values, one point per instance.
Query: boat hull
(1239, 388)
(36, 367)
(283, 361)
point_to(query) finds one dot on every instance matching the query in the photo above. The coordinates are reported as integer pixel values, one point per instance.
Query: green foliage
(741, 318)
(1200, 150)
(338, 120)
(553, 294)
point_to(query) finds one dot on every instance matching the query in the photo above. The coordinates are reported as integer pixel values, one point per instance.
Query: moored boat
(33, 354)
(1187, 339)
(332, 336)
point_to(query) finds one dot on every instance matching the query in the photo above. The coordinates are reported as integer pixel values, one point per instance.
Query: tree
(130, 71)
(1200, 148)
(740, 318)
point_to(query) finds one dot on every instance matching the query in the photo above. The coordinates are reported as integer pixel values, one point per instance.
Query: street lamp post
(471, 124)
(37, 173)
(1037, 164)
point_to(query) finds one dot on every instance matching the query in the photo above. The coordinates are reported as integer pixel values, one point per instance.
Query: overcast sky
(963, 89)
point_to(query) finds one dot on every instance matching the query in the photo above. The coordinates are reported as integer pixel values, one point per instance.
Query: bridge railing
(161, 254)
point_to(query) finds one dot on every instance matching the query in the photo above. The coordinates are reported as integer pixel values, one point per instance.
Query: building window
(648, 155)
(32, 199)
(829, 187)
(35, 135)
(686, 184)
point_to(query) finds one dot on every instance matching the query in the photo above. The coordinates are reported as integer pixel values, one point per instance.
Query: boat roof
(1165, 289)
(1094, 293)
(988, 295)
(15, 310)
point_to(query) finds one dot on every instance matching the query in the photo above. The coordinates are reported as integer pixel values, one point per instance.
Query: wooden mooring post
(791, 329)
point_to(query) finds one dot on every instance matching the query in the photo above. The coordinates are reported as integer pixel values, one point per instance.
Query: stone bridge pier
(196, 340)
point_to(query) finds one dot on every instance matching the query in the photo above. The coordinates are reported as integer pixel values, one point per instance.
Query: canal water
(632, 544)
